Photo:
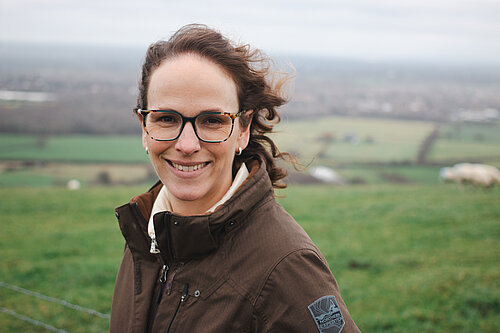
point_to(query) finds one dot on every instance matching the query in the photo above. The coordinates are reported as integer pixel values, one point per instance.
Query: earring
(147, 150)
(238, 153)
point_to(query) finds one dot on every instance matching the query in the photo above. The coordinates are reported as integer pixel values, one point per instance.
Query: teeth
(189, 168)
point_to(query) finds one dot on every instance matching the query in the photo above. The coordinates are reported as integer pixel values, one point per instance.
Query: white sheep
(473, 173)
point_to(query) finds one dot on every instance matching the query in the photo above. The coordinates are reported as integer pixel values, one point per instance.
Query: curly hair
(250, 69)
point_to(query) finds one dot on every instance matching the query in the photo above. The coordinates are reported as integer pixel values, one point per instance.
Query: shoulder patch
(326, 313)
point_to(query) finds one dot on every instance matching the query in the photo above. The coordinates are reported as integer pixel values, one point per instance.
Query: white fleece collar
(162, 203)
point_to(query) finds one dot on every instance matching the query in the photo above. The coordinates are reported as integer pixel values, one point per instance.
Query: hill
(407, 259)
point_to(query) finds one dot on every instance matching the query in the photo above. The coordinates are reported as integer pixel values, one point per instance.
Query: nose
(188, 143)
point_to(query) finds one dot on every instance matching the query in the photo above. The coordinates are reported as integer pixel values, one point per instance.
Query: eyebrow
(201, 112)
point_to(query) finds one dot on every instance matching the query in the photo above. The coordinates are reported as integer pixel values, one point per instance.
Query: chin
(185, 195)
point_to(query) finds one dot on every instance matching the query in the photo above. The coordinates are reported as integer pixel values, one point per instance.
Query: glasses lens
(213, 127)
(163, 125)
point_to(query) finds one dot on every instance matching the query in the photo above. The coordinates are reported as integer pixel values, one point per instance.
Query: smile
(188, 168)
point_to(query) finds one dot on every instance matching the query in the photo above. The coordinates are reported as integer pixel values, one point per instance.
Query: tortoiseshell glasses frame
(209, 126)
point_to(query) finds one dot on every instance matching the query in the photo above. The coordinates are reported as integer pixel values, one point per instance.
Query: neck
(201, 205)
(188, 208)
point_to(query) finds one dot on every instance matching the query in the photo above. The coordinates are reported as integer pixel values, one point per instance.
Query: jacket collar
(181, 238)
(162, 203)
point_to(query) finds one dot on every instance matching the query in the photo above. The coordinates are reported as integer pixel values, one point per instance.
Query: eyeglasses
(167, 125)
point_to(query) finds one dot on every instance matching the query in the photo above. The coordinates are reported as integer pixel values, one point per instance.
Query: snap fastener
(117, 215)
(176, 222)
(197, 293)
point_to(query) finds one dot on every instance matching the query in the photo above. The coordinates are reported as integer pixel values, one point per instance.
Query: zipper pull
(154, 245)
(164, 271)
(163, 279)
(184, 292)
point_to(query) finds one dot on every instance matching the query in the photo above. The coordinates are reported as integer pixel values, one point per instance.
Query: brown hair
(249, 69)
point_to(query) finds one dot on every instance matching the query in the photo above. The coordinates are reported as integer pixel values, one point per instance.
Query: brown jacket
(247, 267)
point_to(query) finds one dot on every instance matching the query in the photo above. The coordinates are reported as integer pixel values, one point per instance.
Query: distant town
(61, 90)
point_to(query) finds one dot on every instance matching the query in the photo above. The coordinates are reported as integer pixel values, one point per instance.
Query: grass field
(414, 258)
(381, 151)
(84, 148)
(89, 174)
(467, 141)
(391, 140)
(377, 175)
(411, 258)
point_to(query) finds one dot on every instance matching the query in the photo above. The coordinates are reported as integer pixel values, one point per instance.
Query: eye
(165, 119)
(212, 121)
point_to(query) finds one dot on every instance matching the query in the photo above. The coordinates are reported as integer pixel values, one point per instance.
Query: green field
(381, 151)
(373, 141)
(75, 148)
(89, 174)
(391, 140)
(414, 258)
(472, 141)
(411, 258)
(390, 174)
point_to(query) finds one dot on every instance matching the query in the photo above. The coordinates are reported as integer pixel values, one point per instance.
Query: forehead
(191, 81)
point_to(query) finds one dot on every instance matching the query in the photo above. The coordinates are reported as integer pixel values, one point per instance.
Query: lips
(188, 168)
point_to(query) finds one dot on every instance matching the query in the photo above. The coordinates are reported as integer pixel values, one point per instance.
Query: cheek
(225, 152)
(157, 147)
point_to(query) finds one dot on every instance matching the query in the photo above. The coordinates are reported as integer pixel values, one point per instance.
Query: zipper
(163, 280)
(183, 298)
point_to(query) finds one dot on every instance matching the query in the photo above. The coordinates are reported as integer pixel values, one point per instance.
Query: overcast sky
(380, 30)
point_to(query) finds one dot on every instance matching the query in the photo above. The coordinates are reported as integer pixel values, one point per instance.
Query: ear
(244, 136)
(144, 134)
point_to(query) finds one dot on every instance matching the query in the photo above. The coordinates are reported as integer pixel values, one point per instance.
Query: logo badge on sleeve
(326, 313)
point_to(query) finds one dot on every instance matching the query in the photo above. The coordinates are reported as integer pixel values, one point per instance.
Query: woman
(208, 249)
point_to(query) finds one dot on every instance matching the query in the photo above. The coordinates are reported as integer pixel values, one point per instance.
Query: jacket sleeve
(301, 295)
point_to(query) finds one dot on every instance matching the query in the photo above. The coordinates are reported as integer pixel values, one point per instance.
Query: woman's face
(197, 174)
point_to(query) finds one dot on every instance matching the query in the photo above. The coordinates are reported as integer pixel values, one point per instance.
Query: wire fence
(49, 299)
(31, 320)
